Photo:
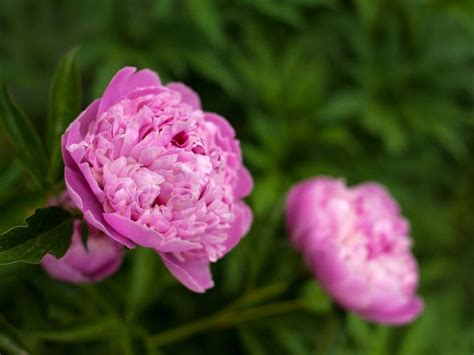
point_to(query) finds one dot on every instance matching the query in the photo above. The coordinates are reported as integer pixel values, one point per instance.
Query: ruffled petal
(188, 95)
(147, 237)
(124, 82)
(85, 200)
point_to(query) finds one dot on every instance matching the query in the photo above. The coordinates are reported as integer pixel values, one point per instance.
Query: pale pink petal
(240, 226)
(188, 95)
(403, 315)
(244, 183)
(220, 122)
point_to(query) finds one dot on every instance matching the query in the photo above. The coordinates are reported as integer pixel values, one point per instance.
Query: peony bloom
(356, 243)
(101, 259)
(148, 167)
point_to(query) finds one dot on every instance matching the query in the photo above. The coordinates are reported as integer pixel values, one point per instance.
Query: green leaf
(64, 105)
(315, 298)
(252, 342)
(206, 16)
(22, 133)
(287, 13)
(48, 230)
(291, 340)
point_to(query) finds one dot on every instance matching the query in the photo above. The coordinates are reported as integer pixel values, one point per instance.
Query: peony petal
(85, 200)
(68, 160)
(87, 174)
(300, 208)
(240, 226)
(194, 274)
(220, 122)
(403, 315)
(188, 95)
(147, 237)
(79, 127)
(107, 269)
(244, 183)
(101, 251)
(61, 270)
(124, 82)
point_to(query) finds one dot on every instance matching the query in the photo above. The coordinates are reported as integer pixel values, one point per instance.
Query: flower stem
(225, 319)
(91, 331)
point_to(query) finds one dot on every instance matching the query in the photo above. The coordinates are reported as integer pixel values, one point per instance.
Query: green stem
(90, 331)
(225, 319)
(258, 295)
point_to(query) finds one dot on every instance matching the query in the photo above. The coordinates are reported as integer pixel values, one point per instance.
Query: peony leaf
(48, 230)
(317, 301)
(64, 105)
(22, 133)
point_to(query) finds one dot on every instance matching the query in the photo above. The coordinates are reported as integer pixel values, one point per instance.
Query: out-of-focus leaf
(343, 105)
(291, 341)
(367, 10)
(163, 8)
(207, 64)
(253, 343)
(278, 10)
(234, 266)
(22, 133)
(10, 342)
(383, 122)
(48, 230)
(328, 3)
(64, 104)
(315, 298)
(206, 16)
(16, 206)
(8, 179)
(143, 284)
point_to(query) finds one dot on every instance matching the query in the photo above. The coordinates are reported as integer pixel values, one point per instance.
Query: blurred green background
(363, 89)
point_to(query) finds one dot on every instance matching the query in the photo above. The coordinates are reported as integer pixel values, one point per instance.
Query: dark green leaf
(64, 105)
(253, 343)
(206, 16)
(48, 230)
(315, 298)
(22, 133)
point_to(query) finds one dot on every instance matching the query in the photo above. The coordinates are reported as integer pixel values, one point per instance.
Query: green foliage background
(366, 89)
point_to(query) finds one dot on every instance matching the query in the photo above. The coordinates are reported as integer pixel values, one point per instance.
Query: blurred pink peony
(148, 167)
(101, 259)
(356, 243)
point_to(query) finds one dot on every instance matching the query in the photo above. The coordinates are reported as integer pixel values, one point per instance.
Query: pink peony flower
(148, 167)
(356, 243)
(101, 259)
